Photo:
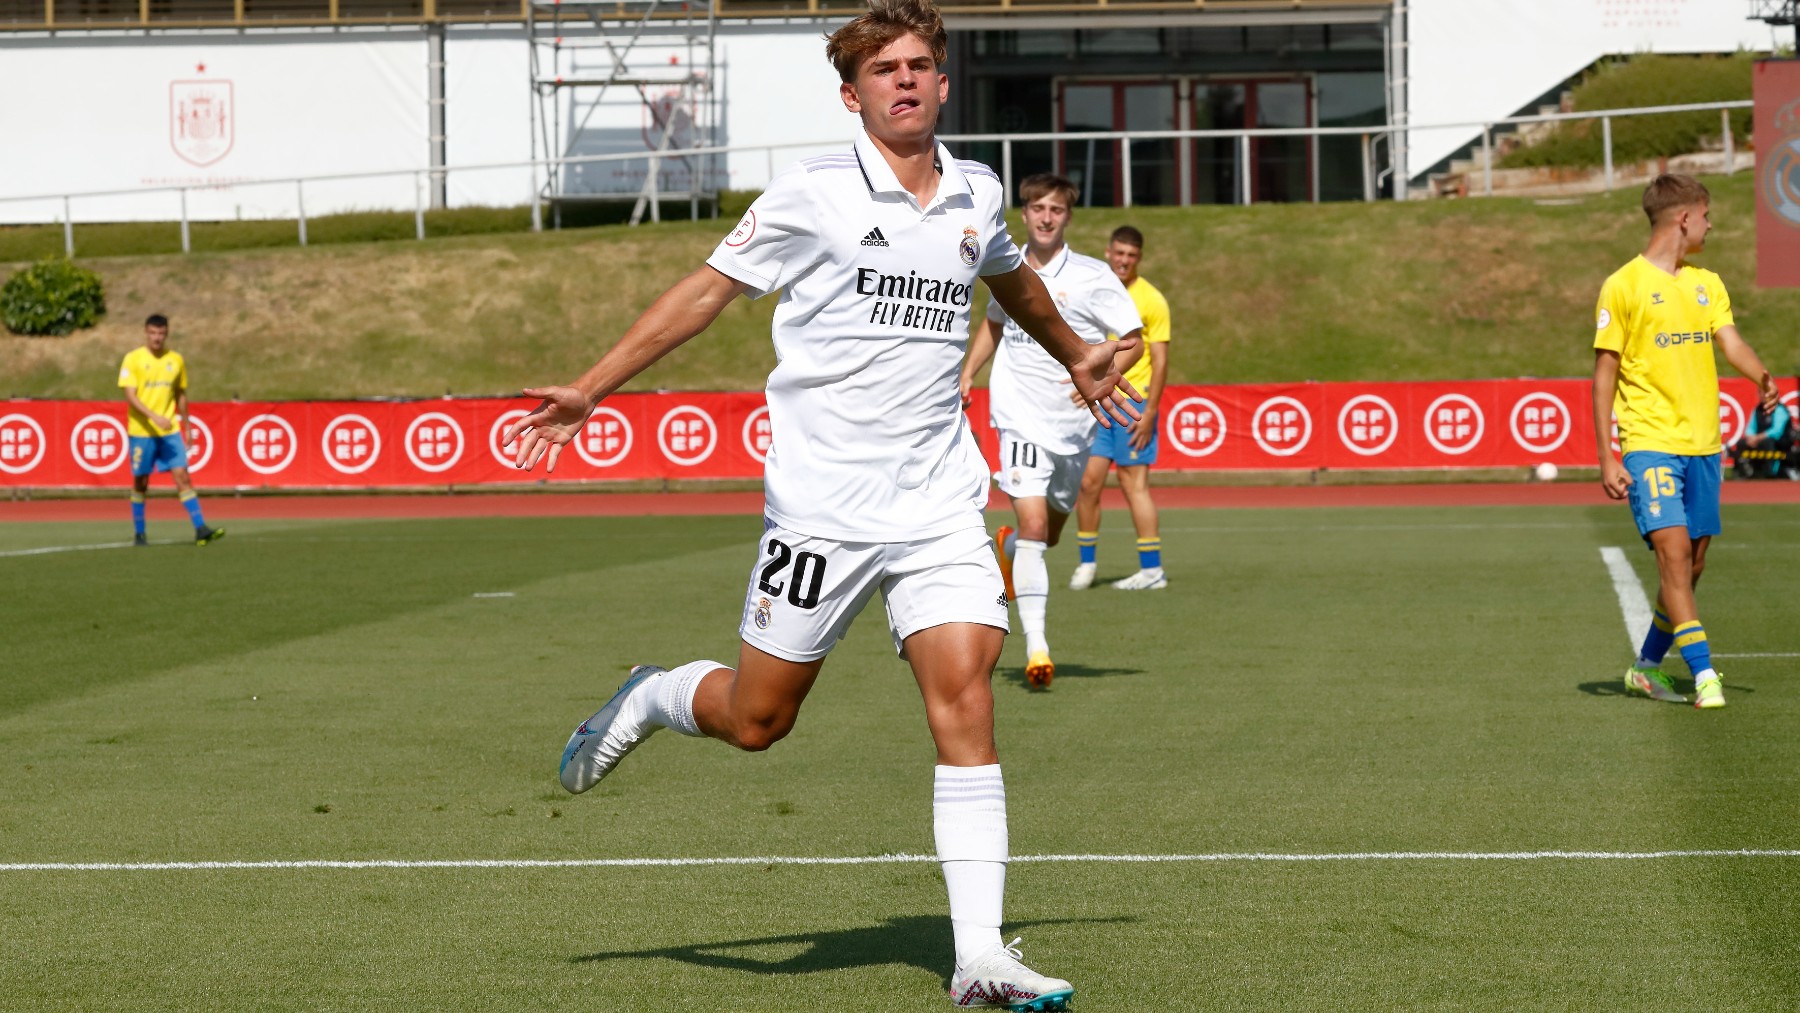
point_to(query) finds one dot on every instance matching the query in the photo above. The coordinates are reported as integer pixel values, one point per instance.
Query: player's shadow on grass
(922, 941)
(1616, 687)
(1016, 676)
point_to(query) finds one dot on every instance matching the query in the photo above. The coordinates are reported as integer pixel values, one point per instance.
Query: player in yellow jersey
(1658, 320)
(1132, 450)
(154, 379)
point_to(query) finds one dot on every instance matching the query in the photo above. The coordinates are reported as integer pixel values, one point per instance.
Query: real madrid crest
(969, 249)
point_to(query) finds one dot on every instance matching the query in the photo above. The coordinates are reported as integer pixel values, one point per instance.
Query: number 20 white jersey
(868, 439)
(1029, 389)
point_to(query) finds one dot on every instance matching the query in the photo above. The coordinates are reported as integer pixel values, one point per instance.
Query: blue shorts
(1115, 444)
(1674, 490)
(157, 453)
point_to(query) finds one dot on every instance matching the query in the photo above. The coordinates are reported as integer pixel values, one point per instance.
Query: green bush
(1646, 80)
(51, 297)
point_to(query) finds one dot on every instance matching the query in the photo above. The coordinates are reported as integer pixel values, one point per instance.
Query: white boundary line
(1762, 654)
(1632, 602)
(892, 859)
(48, 549)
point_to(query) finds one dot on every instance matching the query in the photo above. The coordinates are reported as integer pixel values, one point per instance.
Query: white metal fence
(1371, 137)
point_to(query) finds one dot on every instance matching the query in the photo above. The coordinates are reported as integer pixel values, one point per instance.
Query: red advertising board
(363, 444)
(1777, 138)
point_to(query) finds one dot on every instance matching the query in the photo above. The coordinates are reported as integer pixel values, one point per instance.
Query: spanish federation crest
(200, 125)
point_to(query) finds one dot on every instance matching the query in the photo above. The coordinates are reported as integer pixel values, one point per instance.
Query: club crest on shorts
(969, 249)
(1655, 509)
(762, 613)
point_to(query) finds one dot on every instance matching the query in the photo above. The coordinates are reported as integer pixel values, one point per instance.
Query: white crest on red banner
(433, 442)
(1368, 424)
(98, 443)
(21, 444)
(606, 438)
(1196, 426)
(201, 129)
(267, 444)
(1540, 422)
(201, 450)
(499, 451)
(1454, 424)
(1731, 419)
(758, 434)
(1282, 426)
(687, 435)
(351, 443)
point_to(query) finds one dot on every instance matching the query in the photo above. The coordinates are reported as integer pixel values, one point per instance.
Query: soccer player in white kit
(1045, 434)
(873, 477)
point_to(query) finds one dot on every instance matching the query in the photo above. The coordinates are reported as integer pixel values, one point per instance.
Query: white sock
(1031, 587)
(968, 815)
(673, 705)
(1703, 675)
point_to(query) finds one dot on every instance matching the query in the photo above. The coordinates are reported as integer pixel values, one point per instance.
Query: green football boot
(1710, 693)
(1653, 683)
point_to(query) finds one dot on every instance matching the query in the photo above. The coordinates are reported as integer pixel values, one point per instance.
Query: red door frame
(1118, 86)
(1250, 110)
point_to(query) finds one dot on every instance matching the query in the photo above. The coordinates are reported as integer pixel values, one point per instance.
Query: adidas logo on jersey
(874, 238)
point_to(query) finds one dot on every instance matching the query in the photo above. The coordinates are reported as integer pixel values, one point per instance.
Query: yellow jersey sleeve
(129, 378)
(180, 373)
(1612, 315)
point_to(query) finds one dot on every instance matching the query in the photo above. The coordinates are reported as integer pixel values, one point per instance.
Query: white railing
(1371, 137)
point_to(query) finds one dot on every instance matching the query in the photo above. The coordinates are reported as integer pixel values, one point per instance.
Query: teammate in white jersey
(873, 477)
(1045, 434)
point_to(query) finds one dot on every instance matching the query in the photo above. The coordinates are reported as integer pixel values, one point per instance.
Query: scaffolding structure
(616, 76)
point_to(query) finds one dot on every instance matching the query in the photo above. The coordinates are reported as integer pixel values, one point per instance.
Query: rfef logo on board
(433, 442)
(1541, 422)
(267, 444)
(200, 446)
(1368, 424)
(1196, 426)
(351, 444)
(1731, 419)
(758, 434)
(98, 443)
(21, 444)
(1454, 424)
(687, 435)
(200, 120)
(606, 438)
(1282, 426)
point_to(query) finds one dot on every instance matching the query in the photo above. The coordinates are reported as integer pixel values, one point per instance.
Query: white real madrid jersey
(869, 442)
(1028, 389)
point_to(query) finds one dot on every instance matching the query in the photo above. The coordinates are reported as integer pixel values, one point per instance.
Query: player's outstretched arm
(686, 309)
(1021, 293)
(1613, 476)
(1744, 359)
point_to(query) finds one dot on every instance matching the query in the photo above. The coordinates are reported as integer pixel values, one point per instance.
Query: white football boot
(1083, 577)
(996, 978)
(1144, 580)
(615, 729)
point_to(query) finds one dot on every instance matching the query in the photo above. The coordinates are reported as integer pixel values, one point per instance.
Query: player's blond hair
(885, 21)
(1670, 191)
(1043, 184)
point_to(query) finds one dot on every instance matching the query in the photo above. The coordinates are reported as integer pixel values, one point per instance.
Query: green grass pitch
(1316, 682)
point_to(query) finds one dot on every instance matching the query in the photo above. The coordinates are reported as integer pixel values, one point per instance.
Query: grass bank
(1421, 290)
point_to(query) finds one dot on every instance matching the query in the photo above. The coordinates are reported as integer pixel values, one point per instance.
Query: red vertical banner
(1777, 138)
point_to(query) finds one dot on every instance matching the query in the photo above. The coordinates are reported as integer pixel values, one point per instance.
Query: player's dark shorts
(157, 453)
(1674, 490)
(1114, 444)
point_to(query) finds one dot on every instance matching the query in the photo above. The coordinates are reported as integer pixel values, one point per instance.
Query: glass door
(1094, 165)
(1280, 167)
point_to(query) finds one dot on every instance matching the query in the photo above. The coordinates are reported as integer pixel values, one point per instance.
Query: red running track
(224, 508)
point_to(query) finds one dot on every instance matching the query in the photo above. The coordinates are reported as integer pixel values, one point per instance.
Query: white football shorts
(1027, 470)
(804, 591)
